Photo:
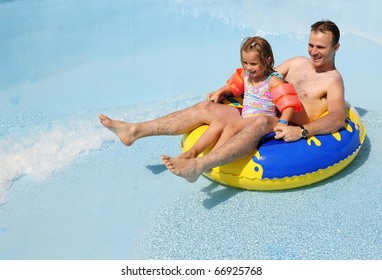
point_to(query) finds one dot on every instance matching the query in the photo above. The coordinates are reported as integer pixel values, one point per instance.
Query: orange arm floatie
(285, 96)
(236, 82)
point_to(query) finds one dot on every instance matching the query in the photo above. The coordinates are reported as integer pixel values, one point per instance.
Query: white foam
(40, 150)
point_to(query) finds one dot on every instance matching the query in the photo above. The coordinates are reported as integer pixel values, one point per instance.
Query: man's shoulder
(297, 62)
(291, 64)
(334, 76)
(299, 59)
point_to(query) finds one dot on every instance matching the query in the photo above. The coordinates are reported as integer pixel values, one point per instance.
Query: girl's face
(252, 65)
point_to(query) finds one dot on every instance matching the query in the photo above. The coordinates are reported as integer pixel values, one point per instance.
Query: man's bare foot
(124, 131)
(186, 168)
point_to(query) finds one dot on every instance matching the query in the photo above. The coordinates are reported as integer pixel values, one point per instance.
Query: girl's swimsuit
(258, 100)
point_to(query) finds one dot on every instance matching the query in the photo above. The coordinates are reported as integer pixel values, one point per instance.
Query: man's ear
(336, 47)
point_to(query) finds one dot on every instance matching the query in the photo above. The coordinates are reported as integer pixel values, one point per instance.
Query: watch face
(305, 133)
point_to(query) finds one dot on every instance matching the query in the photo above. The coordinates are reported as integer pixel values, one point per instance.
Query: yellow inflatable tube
(278, 165)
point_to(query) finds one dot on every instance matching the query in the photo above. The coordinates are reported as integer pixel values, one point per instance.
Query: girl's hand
(215, 96)
(279, 127)
(288, 133)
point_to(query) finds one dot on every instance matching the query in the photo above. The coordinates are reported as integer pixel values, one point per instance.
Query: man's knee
(261, 122)
(212, 110)
(203, 105)
(203, 108)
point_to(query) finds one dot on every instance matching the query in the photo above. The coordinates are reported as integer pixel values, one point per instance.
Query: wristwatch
(304, 132)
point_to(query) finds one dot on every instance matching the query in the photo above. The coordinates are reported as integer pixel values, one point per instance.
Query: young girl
(263, 90)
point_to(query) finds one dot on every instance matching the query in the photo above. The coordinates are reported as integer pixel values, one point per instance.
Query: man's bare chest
(308, 86)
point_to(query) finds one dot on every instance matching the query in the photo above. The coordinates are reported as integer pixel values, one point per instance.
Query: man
(320, 88)
(317, 82)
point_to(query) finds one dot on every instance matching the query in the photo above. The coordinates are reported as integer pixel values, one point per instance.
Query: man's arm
(335, 118)
(329, 123)
(284, 67)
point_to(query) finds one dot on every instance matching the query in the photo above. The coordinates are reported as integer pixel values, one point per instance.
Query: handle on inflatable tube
(236, 82)
(285, 96)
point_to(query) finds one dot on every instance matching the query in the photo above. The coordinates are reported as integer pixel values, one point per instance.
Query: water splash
(37, 146)
(40, 150)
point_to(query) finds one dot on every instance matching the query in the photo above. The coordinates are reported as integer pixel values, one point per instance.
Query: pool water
(70, 190)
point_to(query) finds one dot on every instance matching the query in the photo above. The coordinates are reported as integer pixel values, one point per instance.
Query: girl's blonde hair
(263, 48)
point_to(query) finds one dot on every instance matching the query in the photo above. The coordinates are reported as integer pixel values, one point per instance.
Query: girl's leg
(208, 139)
(239, 146)
(231, 130)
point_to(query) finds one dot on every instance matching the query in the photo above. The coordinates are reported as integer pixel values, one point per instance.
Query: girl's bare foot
(188, 154)
(124, 131)
(186, 168)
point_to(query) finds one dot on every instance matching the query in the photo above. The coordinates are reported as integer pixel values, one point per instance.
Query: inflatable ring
(278, 165)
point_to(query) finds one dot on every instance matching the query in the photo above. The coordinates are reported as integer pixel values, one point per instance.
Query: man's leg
(176, 123)
(240, 145)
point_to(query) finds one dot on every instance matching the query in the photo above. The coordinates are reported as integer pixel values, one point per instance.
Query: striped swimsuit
(258, 100)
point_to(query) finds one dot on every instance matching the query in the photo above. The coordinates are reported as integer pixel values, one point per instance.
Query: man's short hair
(325, 26)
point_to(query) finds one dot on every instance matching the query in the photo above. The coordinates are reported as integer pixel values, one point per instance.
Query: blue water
(70, 190)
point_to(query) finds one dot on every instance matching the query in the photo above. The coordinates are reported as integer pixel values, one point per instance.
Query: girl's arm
(287, 112)
(218, 95)
(234, 86)
(284, 119)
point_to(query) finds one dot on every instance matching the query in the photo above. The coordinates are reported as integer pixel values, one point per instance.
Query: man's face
(320, 48)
